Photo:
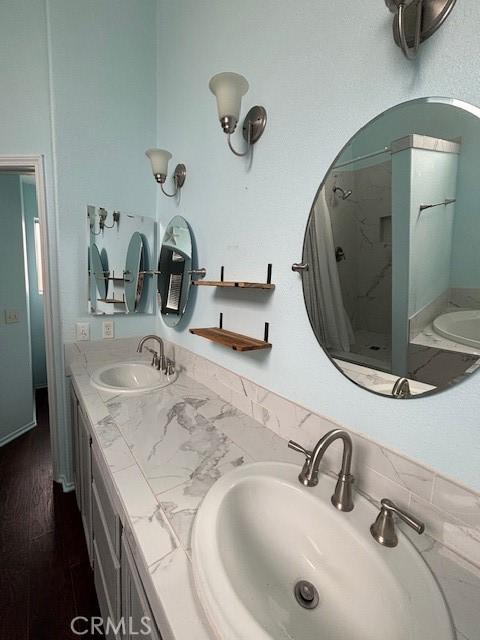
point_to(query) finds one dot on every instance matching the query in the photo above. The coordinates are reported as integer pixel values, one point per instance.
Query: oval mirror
(392, 287)
(134, 276)
(174, 265)
(99, 267)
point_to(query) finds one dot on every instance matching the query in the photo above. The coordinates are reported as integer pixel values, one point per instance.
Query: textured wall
(322, 69)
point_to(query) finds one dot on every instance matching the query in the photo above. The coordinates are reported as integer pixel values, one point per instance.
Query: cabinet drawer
(112, 520)
(102, 595)
(109, 564)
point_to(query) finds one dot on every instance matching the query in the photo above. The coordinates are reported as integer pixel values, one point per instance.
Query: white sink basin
(130, 377)
(258, 532)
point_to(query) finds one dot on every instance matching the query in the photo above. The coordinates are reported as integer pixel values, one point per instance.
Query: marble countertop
(163, 451)
(430, 338)
(379, 381)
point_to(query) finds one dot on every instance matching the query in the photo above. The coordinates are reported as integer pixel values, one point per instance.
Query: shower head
(343, 194)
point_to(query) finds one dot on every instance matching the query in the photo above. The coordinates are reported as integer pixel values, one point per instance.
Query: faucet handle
(298, 447)
(383, 529)
(169, 367)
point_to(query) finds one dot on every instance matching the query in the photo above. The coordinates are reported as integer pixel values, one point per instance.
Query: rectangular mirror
(121, 262)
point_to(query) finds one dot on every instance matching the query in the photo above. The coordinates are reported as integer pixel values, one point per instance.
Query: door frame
(51, 307)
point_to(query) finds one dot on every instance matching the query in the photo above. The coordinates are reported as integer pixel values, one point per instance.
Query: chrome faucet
(401, 389)
(342, 497)
(383, 529)
(158, 360)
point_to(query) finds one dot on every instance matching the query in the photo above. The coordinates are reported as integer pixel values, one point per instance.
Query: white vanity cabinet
(106, 549)
(82, 469)
(75, 447)
(135, 607)
(123, 603)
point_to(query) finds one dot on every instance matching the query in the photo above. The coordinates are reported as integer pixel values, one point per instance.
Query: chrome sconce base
(416, 20)
(179, 177)
(254, 124)
(252, 129)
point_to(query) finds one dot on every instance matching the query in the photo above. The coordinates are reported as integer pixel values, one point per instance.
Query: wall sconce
(416, 20)
(159, 159)
(229, 88)
(102, 219)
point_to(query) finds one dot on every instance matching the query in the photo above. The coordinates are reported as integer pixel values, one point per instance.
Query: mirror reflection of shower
(342, 193)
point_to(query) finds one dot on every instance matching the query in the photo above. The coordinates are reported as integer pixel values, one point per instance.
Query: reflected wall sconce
(416, 20)
(159, 159)
(102, 219)
(229, 88)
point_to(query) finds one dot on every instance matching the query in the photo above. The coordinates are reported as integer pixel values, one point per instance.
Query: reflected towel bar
(446, 202)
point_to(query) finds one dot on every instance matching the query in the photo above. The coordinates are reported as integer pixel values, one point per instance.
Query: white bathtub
(460, 326)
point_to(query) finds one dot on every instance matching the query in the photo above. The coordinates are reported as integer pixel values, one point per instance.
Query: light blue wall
(422, 250)
(81, 91)
(37, 328)
(322, 69)
(16, 394)
(103, 68)
(434, 178)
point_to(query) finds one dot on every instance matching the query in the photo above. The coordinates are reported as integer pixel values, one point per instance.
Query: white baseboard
(67, 486)
(18, 432)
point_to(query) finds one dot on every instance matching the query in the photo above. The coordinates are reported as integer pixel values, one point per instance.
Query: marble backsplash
(451, 512)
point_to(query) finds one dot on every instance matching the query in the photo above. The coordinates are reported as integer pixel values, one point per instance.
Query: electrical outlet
(11, 316)
(82, 331)
(108, 330)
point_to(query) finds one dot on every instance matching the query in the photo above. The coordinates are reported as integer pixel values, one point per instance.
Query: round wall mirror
(174, 266)
(98, 275)
(392, 276)
(134, 275)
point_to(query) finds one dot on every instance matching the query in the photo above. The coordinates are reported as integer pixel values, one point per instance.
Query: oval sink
(258, 533)
(130, 377)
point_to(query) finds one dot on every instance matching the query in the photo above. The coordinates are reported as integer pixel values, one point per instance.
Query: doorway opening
(30, 342)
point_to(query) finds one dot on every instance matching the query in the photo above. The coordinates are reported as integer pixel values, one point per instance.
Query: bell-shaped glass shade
(159, 159)
(228, 88)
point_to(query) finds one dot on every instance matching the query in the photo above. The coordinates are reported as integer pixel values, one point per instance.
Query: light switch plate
(11, 316)
(82, 331)
(108, 329)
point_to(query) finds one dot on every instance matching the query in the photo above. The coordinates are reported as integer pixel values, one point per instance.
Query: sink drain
(306, 594)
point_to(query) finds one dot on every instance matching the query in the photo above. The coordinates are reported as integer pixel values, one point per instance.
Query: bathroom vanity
(144, 463)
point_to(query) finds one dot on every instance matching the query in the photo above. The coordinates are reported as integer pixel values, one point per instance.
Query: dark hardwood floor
(45, 577)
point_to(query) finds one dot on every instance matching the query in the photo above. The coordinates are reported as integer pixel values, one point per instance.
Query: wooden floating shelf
(233, 283)
(111, 301)
(237, 284)
(235, 341)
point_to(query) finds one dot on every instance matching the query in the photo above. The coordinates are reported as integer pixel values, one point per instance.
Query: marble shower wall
(361, 225)
(464, 298)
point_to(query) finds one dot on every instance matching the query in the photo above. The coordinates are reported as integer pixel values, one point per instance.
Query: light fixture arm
(249, 144)
(417, 20)
(178, 180)
(170, 195)
(409, 52)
